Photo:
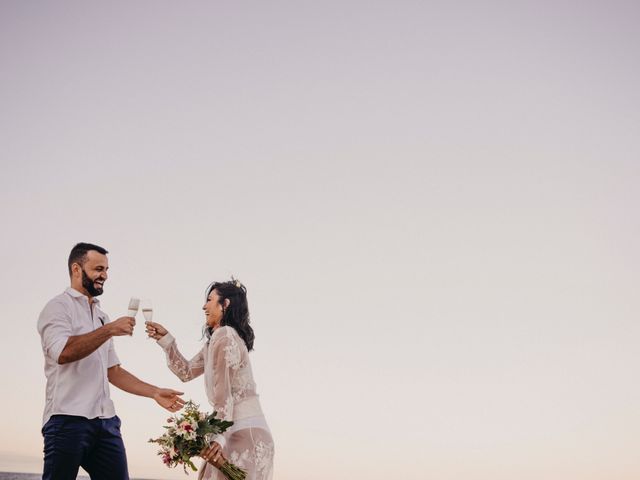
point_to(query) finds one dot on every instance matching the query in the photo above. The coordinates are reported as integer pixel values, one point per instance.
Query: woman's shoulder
(227, 336)
(224, 331)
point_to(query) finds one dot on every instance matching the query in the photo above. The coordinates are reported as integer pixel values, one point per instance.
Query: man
(80, 423)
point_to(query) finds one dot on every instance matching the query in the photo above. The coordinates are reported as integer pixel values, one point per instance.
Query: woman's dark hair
(236, 315)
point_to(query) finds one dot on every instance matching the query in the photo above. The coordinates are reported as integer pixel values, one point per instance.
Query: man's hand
(169, 399)
(213, 454)
(165, 397)
(121, 326)
(155, 330)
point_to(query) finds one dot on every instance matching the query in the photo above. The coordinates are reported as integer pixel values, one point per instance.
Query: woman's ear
(227, 302)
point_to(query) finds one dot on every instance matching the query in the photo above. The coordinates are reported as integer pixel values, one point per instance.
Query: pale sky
(433, 206)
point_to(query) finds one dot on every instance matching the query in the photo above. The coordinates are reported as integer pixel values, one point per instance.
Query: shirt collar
(76, 294)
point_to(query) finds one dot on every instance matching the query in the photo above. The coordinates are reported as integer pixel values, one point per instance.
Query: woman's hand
(155, 330)
(213, 454)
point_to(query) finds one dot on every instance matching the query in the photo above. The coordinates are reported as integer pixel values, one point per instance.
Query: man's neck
(84, 292)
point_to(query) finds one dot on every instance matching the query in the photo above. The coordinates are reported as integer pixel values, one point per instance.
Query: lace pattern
(184, 369)
(252, 450)
(229, 383)
(232, 354)
(263, 459)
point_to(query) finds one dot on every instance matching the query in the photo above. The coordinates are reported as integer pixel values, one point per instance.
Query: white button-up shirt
(82, 387)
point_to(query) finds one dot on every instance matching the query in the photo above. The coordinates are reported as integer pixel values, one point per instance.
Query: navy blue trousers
(96, 445)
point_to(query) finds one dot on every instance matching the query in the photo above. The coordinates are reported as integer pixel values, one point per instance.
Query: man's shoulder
(55, 309)
(61, 298)
(61, 301)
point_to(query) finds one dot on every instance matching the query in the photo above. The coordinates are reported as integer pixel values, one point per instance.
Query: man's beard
(87, 283)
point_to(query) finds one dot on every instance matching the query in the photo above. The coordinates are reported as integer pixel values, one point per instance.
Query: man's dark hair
(79, 253)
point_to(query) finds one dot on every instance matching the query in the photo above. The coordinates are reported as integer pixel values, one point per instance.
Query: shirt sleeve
(112, 358)
(184, 369)
(227, 358)
(226, 361)
(54, 326)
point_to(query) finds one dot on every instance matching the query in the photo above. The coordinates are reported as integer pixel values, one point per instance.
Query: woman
(228, 380)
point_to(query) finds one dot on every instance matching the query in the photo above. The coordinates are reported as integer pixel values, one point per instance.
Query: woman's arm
(226, 360)
(184, 369)
(227, 356)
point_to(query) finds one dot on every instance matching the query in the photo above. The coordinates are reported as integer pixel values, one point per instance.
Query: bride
(228, 379)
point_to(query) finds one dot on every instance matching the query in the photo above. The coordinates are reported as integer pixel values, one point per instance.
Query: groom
(81, 427)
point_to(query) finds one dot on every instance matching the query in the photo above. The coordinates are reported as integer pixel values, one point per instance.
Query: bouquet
(188, 434)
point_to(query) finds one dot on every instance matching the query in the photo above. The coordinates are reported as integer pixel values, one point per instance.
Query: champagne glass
(147, 310)
(134, 304)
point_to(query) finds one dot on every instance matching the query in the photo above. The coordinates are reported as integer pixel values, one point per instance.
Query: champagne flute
(134, 304)
(147, 311)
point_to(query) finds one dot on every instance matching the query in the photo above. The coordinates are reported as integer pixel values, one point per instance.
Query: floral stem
(232, 472)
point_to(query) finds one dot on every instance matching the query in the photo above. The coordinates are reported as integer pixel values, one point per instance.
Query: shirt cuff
(165, 341)
(56, 349)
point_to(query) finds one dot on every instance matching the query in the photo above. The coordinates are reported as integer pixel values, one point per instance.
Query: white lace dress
(230, 388)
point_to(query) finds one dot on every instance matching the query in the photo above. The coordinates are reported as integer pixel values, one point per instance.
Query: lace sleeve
(184, 369)
(226, 361)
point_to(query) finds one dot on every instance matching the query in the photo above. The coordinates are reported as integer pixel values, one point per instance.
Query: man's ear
(75, 268)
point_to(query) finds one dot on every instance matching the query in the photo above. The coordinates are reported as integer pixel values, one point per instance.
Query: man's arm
(80, 346)
(165, 397)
